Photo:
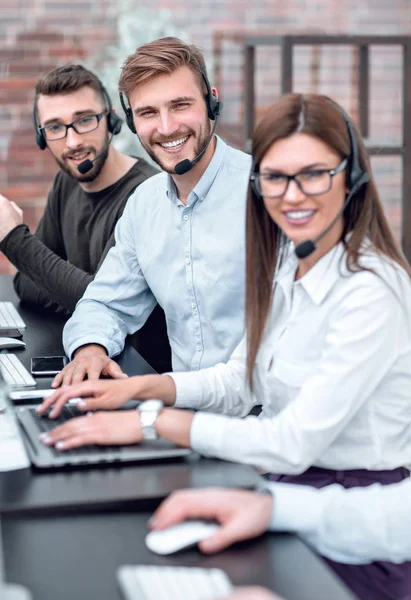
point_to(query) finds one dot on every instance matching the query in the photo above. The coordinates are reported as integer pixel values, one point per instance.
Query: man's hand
(102, 428)
(242, 514)
(90, 361)
(10, 216)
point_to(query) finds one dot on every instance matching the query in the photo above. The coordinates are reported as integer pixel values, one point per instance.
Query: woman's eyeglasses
(313, 182)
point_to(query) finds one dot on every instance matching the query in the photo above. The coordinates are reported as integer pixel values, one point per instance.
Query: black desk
(142, 486)
(76, 557)
(43, 337)
(64, 535)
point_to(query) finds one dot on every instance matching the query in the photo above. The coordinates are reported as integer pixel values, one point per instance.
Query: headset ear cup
(128, 113)
(40, 140)
(129, 121)
(38, 134)
(114, 123)
(214, 106)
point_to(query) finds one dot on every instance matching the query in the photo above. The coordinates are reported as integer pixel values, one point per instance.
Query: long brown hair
(364, 216)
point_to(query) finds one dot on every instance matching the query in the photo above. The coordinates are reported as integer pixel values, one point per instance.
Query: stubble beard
(199, 147)
(90, 175)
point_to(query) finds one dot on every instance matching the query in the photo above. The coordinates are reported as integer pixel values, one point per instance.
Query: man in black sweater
(73, 117)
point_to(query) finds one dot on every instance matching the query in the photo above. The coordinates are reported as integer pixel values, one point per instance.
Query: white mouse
(182, 535)
(6, 342)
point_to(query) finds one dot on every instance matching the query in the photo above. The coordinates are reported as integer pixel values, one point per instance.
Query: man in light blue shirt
(181, 239)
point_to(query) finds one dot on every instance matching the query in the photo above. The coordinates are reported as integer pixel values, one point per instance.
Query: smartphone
(47, 365)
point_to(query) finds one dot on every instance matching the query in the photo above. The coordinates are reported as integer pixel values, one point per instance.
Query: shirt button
(185, 217)
(193, 305)
(198, 348)
(188, 261)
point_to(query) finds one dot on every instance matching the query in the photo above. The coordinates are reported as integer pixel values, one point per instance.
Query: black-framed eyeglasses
(312, 182)
(58, 131)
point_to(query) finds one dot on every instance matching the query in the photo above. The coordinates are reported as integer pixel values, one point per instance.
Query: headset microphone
(186, 165)
(356, 178)
(86, 166)
(309, 246)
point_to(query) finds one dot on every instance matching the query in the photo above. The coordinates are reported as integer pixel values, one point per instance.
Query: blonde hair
(163, 56)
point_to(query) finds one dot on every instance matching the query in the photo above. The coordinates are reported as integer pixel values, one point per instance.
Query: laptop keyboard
(45, 425)
(14, 372)
(10, 318)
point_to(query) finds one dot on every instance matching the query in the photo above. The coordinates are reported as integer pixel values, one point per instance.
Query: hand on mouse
(242, 514)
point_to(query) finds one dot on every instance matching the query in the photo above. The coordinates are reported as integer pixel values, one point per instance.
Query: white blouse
(353, 526)
(333, 375)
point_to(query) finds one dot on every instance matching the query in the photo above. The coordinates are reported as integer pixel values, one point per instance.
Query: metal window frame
(362, 42)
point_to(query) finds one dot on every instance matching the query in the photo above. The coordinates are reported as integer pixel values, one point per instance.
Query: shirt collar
(319, 280)
(324, 274)
(204, 184)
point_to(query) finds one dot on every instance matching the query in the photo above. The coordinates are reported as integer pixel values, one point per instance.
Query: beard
(200, 145)
(90, 175)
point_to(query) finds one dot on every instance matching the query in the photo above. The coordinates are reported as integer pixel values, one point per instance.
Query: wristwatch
(149, 411)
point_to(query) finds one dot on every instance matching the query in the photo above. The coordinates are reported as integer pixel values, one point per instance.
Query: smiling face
(300, 216)
(70, 151)
(170, 118)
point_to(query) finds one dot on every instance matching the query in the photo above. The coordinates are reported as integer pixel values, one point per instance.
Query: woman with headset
(327, 351)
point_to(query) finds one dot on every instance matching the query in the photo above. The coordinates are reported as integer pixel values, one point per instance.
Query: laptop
(11, 323)
(44, 457)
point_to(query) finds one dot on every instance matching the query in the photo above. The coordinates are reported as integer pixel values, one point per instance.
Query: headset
(356, 177)
(214, 105)
(114, 122)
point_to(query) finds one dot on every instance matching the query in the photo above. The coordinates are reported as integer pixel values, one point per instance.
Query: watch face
(151, 405)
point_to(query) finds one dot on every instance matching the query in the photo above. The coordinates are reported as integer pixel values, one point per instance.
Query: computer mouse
(11, 343)
(180, 536)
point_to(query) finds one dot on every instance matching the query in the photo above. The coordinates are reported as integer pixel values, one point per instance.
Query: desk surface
(63, 534)
(143, 486)
(76, 556)
(43, 337)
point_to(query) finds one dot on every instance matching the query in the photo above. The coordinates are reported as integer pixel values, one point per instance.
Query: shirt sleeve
(118, 301)
(367, 332)
(220, 389)
(353, 526)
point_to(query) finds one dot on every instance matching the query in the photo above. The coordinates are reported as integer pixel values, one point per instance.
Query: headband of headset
(214, 105)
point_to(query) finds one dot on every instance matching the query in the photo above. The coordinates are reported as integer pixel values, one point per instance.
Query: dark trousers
(379, 580)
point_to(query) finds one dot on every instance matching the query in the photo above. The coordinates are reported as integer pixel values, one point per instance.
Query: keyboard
(44, 425)
(11, 323)
(172, 583)
(14, 372)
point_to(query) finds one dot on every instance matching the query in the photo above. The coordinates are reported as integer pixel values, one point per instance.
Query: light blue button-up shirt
(188, 258)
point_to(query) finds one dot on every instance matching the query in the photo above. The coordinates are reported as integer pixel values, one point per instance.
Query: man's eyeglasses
(313, 182)
(58, 131)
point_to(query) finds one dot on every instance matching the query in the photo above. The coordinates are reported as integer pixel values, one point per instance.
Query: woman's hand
(102, 428)
(242, 514)
(101, 394)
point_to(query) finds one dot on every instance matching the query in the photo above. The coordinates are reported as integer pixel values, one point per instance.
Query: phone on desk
(47, 365)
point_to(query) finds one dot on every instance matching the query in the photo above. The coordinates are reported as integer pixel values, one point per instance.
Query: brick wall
(37, 35)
